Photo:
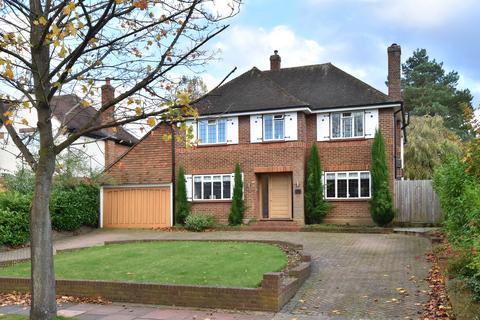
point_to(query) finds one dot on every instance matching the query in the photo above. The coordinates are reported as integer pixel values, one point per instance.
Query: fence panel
(416, 202)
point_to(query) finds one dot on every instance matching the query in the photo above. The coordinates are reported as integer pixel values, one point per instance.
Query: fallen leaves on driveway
(438, 307)
(18, 298)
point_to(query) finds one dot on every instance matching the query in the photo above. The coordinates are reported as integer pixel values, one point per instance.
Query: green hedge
(70, 207)
(459, 194)
(14, 209)
(73, 207)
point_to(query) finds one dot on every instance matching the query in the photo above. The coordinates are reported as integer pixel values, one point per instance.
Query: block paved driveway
(354, 276)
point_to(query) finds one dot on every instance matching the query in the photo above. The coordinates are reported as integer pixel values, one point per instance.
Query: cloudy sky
(352, 34)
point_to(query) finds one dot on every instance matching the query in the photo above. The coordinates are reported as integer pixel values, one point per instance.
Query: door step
(273, 225)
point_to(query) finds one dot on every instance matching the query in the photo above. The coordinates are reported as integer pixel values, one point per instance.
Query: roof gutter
(306, 109)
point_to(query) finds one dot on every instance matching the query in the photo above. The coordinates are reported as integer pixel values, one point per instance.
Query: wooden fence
(416, 202)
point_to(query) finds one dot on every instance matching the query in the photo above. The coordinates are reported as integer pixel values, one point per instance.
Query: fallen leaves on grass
(18, 298)
(438, 306)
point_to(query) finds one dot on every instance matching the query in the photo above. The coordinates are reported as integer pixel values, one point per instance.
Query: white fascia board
(304, 109)
(236, 114)
(366, 107)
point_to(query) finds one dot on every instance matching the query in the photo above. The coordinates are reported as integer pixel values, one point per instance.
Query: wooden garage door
(136, 207)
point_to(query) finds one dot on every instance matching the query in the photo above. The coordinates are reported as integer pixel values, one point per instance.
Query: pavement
(354, 276)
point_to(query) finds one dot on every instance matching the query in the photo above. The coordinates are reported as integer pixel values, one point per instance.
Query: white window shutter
(194, 129)
(323, 127)
(291, 131)
(371, 123)
(189, 186)
(256, 129)
(232, 130)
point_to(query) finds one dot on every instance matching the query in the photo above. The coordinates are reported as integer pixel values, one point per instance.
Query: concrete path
(355, 276)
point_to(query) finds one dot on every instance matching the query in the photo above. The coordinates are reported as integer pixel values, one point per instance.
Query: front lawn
(229, 264)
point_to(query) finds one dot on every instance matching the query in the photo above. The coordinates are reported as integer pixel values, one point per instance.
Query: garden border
(276, 288)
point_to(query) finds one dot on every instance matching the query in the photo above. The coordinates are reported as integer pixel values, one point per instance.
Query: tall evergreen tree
(238, 206)
(381, 206)
(182, 207)
(429, 90)
(315, 205)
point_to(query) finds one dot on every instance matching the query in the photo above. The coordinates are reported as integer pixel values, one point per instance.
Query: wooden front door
(280, 196)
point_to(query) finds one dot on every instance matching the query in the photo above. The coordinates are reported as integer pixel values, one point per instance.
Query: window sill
(274, 141)
(345, 139)
(348, 199)
(206, 145)
(211, 201)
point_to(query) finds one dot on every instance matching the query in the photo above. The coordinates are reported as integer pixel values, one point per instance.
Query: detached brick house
(266, 121)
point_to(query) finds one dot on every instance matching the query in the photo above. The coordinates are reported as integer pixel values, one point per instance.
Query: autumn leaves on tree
(57, 47)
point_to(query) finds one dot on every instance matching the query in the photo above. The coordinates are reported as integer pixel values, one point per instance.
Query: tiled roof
(318, 87)
(68, 110)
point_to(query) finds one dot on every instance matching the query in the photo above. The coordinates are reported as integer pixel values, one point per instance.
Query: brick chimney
(108, 94)
(275, 61)
(394, 72)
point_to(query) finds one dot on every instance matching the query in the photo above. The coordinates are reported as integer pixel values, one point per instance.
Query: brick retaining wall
(274, 292)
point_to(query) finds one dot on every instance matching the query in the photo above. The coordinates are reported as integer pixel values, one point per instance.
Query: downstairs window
(347, 185)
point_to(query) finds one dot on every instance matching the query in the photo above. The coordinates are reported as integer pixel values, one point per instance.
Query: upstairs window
(347, 185)
(273, 127)
(212, 131)
(347, 125)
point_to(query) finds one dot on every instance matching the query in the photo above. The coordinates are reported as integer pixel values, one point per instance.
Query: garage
(136, 206)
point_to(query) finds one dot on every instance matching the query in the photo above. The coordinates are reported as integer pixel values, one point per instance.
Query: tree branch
(16, 139)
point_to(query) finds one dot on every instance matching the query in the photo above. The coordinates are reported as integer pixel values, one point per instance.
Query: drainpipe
(173, 172)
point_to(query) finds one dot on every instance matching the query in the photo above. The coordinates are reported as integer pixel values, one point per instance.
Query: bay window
(347, 124)
(212, 131)
(347, 185)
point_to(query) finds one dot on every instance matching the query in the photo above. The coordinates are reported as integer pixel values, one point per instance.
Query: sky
(351, 34)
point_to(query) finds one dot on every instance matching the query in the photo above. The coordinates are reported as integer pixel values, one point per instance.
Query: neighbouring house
(266, 121)
(99, 148)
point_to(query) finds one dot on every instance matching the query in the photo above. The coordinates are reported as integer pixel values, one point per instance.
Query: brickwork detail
(150, 162)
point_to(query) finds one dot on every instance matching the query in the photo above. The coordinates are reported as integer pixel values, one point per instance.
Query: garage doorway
(136, 207)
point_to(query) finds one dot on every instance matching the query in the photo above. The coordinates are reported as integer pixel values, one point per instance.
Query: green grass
(229, 264)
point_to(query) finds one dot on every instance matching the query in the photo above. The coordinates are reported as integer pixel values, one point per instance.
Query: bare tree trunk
(43, 305)
(43, 277)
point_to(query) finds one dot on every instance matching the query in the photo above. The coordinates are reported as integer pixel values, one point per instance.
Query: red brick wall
(149, 162)
(352, 155)
(113, 151)
(253, 157)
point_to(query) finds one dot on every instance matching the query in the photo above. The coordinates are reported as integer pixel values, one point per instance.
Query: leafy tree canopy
(429, 144)
(429, 90)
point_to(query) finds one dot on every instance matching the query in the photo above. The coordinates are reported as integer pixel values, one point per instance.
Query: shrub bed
(199, 222)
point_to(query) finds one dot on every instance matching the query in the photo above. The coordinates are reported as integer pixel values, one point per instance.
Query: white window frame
(353, 124)
(348, 193)
(282, 115)
(202, 179)
(208, 122)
